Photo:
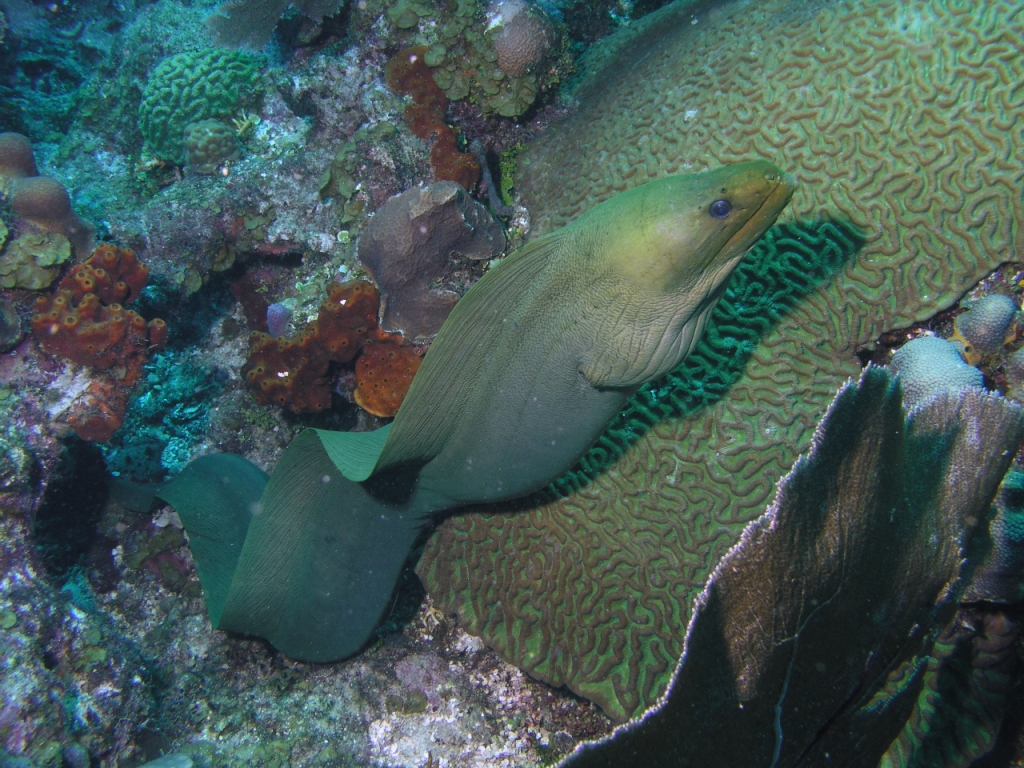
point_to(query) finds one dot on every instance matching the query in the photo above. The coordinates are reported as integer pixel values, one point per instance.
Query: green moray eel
(528, 370)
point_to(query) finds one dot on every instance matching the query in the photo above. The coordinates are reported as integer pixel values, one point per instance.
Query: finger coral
(863, 102)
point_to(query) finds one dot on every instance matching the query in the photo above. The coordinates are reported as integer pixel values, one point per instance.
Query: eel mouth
(766, 214)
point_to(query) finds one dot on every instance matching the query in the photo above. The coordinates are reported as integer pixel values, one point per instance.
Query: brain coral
(191, 87)
(896, 118)
(525, 36)
(209, 144)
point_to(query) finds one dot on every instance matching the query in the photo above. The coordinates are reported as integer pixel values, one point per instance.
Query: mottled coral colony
(226, 228)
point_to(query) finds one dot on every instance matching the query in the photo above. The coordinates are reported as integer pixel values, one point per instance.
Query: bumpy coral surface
(347, 319)
(986, 326)
(16, 158)
(470, 50)
(210, 144)
(525, 35)
(928, 366)
(34, 260)
(288, 372)
(384, 373)
(85, 322)
(862, 103)
(190, 87)
(293, 372)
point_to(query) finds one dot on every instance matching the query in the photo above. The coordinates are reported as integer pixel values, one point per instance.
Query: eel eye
(720, 209)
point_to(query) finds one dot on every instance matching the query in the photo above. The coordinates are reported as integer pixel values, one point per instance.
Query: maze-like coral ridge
(190, 87)
(897, 120)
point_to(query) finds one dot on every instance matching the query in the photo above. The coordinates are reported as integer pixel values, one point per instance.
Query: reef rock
(412, 242)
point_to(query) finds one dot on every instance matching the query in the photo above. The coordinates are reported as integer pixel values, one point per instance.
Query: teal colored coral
(164, 421)
(190, 87)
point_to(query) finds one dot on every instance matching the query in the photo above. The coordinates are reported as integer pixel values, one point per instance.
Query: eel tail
(308, 558)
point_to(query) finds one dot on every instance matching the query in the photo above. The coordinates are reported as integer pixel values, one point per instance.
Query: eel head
(667, 249)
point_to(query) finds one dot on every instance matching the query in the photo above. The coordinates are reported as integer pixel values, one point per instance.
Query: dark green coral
(465, 61)
(189, 87)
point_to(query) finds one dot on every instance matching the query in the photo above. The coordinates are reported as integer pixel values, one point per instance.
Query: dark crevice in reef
(65, 524)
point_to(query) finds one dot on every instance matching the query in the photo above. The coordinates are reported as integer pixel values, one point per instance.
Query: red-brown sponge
(384, 373)
(407, 74)
(347, 319)
(99, 412)
(292, 373)
(288, 372)
(85, 323)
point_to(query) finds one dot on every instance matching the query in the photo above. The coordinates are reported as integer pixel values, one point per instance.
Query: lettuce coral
(809, 644)
(34, 260)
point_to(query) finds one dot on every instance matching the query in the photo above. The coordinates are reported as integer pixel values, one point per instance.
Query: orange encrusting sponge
(292, 373)
(84, 322)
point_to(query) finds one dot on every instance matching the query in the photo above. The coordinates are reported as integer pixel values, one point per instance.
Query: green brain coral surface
(190, 87)
(864, 103)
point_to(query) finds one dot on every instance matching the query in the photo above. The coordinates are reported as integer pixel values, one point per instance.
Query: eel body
(528, 370)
